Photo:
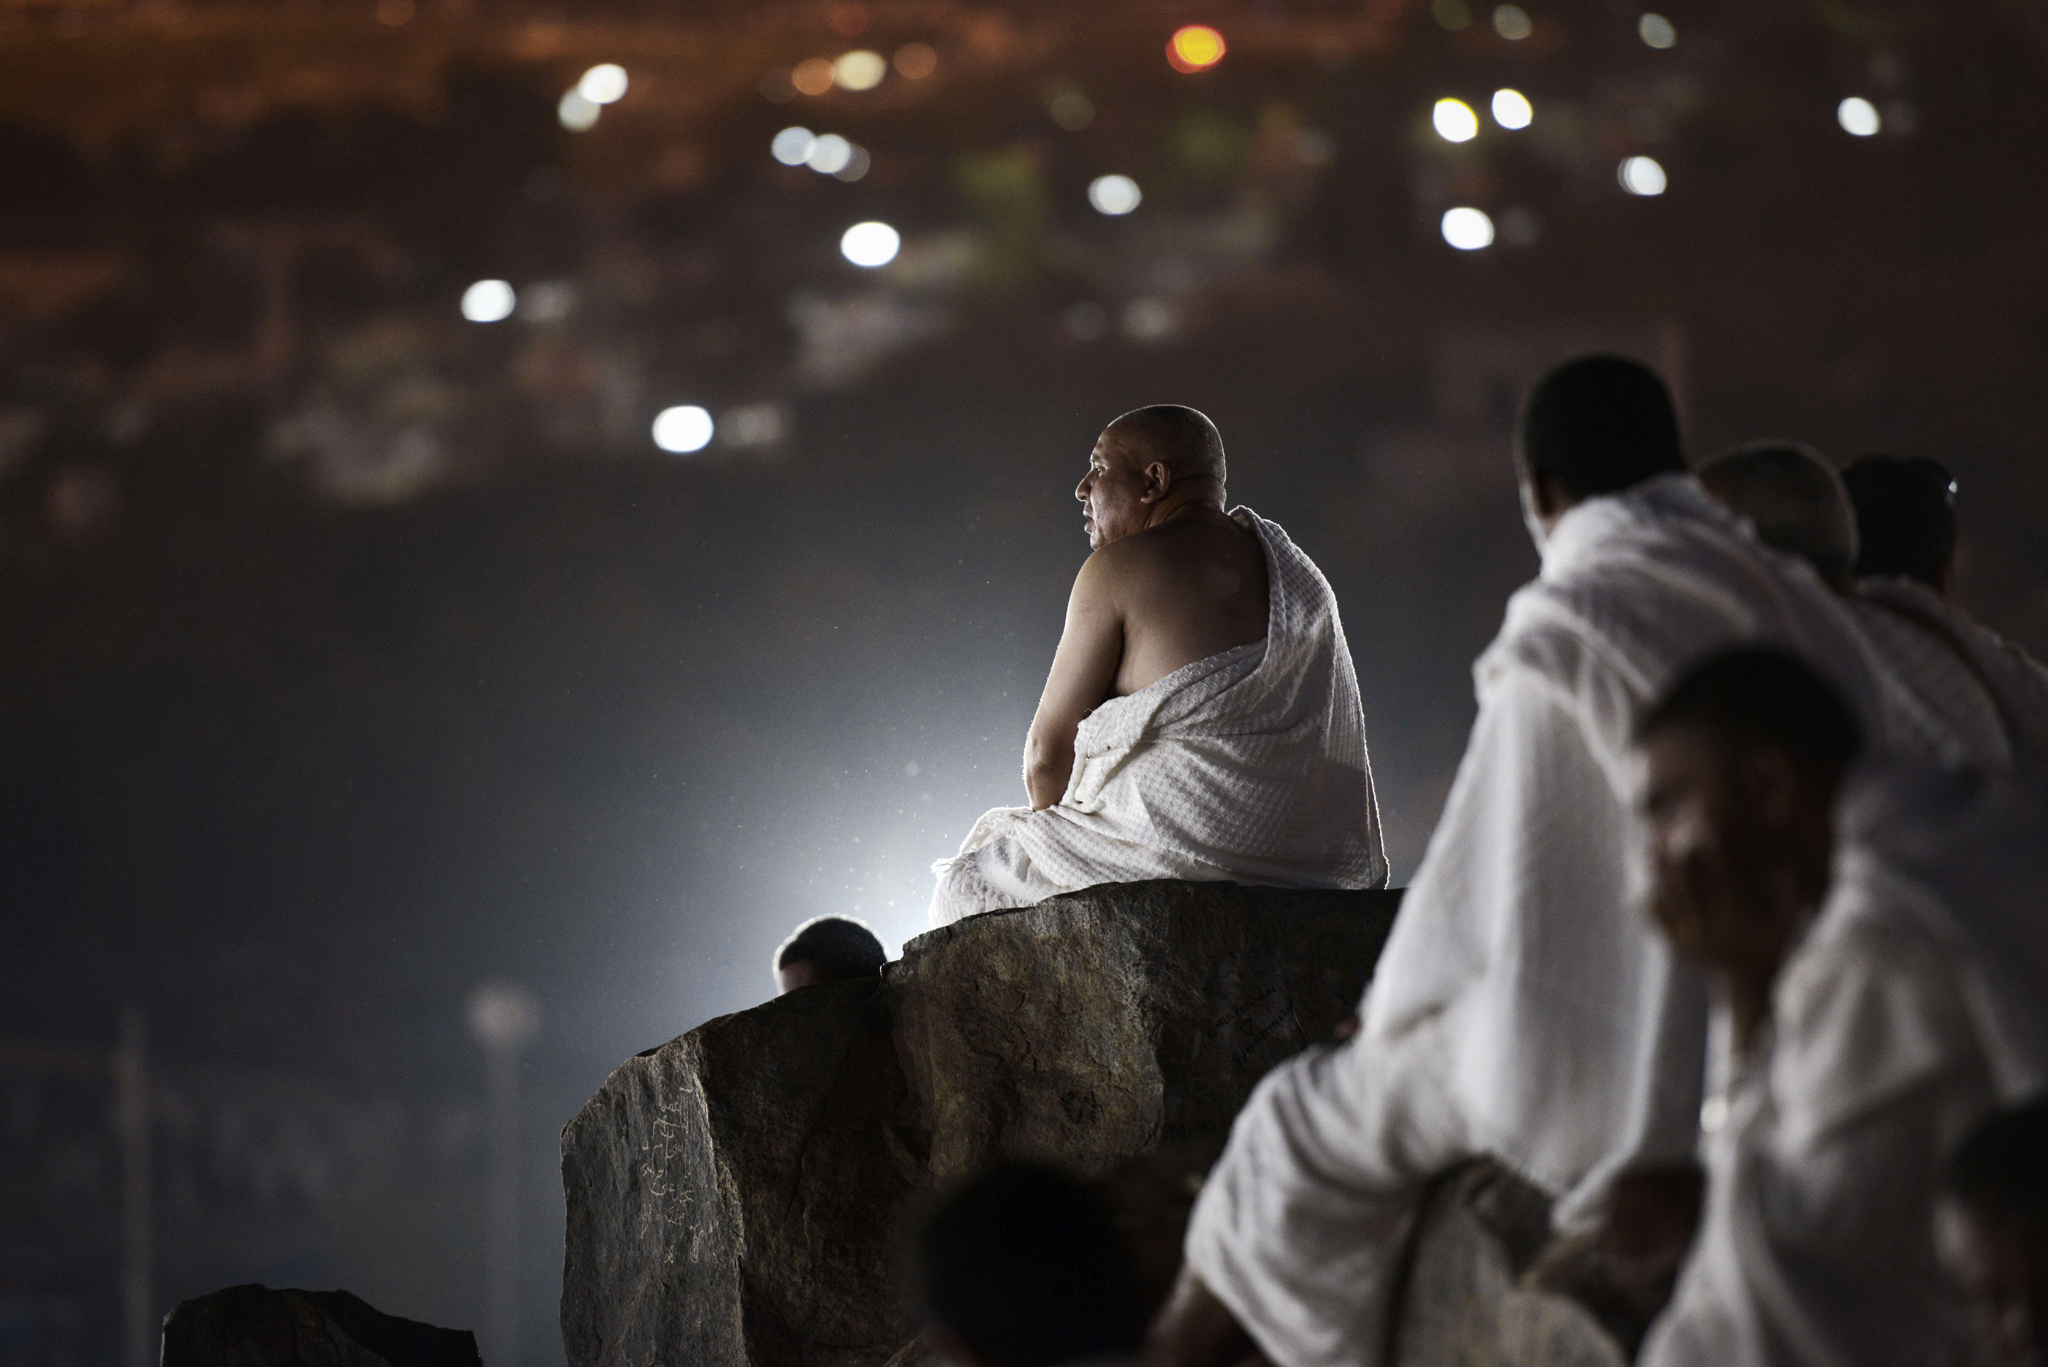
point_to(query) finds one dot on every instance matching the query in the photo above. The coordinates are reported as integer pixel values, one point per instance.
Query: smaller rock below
(254, 1326)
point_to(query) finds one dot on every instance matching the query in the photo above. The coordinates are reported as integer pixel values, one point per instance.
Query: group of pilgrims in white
(1732, 936)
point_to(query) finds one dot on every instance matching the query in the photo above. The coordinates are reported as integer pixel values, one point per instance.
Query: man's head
(1022, 1267)
(1146, 463)
(1796, 500)
(1596, 425)
(1737, 771)
(827, 949)
(1906, 517)
(1994, 1229)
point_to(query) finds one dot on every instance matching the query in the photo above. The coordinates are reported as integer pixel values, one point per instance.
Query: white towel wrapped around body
(1248, 765)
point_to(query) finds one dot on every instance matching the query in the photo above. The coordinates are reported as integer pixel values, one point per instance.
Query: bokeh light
(915, 61)
(1455, 121)
(859, 69)
(870, 244)
(1512, 23)
(812, 76)
(1858, 117)
(489, 301)
(1451, 14)
(858, 163)
(577, 113)
(1070, 109)
(1642, 176)
(1114, 195)
(603, 84)
(1467, 229)
(1194, 47)
(1656, 30)
(792, 146)
(1511, 109)
(683, 429)
(830, 154)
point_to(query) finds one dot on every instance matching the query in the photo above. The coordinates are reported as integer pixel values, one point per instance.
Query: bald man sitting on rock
(1201, 720)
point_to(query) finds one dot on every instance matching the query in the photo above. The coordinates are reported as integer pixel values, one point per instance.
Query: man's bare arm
(1082, 679)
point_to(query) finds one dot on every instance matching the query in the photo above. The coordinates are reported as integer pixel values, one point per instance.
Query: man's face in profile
(2005, 1276)
(1112, 493)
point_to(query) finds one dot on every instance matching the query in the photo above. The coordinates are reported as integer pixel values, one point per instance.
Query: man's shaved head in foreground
(1180, 436)
(1796, 500)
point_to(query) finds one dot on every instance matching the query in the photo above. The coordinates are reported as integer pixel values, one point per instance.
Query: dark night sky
(355, 654)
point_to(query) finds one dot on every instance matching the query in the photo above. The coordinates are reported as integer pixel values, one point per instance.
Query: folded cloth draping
(1913, 1007)
(1559, 1033)
(1248, 765)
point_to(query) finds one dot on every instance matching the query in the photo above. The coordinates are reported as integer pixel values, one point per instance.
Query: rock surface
(254, 1326)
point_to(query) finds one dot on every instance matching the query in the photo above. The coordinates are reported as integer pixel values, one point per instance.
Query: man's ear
(1549, 498)
(1945, 576)
(1158, 480)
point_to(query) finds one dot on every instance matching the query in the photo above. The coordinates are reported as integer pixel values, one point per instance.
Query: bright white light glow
(683, 429)
(1642, 176)
(578, 114)
(1511, 109)
(793, 146)
(603, 84)
(1455, 121)
(870, 244)
(1114, 195)
(830, 154)
(489, 301)
(1858, 117)
(1656, 30)
(1467, 229)
(1512, 23)
(859, 70)
(857, 164)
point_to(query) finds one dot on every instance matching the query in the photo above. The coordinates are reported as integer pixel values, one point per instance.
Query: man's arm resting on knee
(1083, 677)
(1195, 1329)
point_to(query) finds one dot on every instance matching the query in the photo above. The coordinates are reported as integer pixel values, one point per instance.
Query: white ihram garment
(1523, 1006)
(1913, 1007)
(1989, 696)
(1249, 765)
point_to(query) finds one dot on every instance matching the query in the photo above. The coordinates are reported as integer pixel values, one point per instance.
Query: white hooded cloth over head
(1248, 765)
(1523, 1007)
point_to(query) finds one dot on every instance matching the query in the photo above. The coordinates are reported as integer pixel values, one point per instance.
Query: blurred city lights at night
(1467, 229)
(1858, 117)
(857, 163)
(1511, 109)
(1512, 23)
(1455, 121)
(1656, 30)
(830, 154)
(859, 70)
(813, 75)
(1114, 195)
(577, 112)
(1451, 14)
(488, 301)
(915, 61)
(1642, 176)
(1070, 109)
(870, 244)
(1195, 47)
(603, 84)
(793, 146)
(683, 429)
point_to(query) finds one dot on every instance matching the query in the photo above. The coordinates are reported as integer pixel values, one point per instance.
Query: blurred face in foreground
(1740, 839)
(2002, 1266)
(1123, 482)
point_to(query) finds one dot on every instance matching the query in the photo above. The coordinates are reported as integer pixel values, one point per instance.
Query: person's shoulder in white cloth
(1861, 1024)
(1522, 1007)
(1201, 718)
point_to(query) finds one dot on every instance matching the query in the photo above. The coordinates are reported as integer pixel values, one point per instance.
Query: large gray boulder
(254, 1326)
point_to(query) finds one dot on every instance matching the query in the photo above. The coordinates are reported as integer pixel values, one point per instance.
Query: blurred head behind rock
(1794, 498)
(1994, 1229)
(828, 949)
(1905, 516)
(1022, 1267)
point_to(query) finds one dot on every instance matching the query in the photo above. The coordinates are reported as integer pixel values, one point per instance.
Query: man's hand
(1083, 677)
(1197, 1330)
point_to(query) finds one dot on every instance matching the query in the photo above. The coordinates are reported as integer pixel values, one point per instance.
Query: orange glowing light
(1196, 47)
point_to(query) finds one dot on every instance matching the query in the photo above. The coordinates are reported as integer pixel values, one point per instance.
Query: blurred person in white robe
(1523, 1008)
(1878, 961)
(1938, 664)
